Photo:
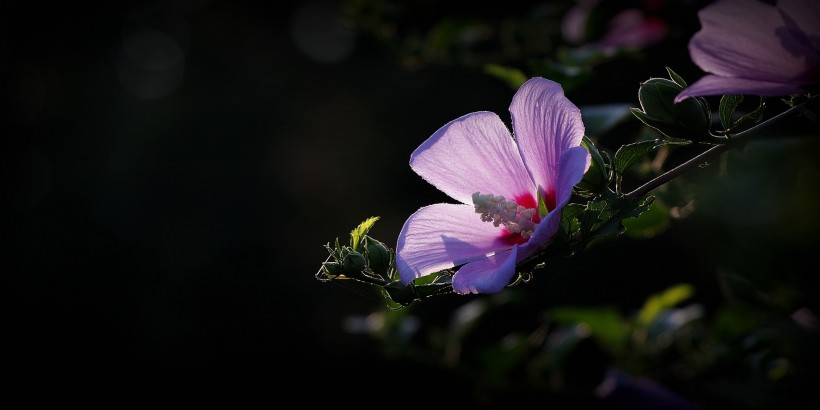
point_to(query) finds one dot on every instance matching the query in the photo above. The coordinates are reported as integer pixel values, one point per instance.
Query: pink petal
(715, 85)
(574, 163)
(748, 39)
(545, 124)
(543, 234)
(487, 275)
(474, 153)
(443, 236)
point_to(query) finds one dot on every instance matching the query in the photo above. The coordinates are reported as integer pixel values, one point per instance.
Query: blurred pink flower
(629, 28)
(750, 47)
(500, 181)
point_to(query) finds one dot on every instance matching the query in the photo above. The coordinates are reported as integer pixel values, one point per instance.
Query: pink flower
(500, 181)
(753, 48)
(630, 28)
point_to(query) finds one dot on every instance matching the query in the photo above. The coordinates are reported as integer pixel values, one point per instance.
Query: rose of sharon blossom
(754, 48)
(499, 181)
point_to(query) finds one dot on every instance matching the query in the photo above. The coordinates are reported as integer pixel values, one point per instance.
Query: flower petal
(473, 153)
(442, 236)
(543, 234)
(574, 163)
(631, 28)
(716, 85)
(488, 275)
(748, 39)
(545, 124)
(806, 15)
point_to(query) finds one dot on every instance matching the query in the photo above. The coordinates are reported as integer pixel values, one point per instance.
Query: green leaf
(597, 159)
(644, 117)
(405, 295)
(755, 115)
(512, 76)
(659, 302)
(606, 323)
(728, 104)
(357, 235)
(631, 153)
(650, 223)
(687, 119)
(675, 77)
(570, 224)
(604, 217)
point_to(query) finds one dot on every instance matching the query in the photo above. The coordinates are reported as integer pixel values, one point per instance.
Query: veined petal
(748, 39)
(806, 15)
(487, 275)
(474, 153)
(574, 163)
(442, 236)
(545, 124)
(716, 85)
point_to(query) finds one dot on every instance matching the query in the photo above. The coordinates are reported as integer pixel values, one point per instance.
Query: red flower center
(527, 201)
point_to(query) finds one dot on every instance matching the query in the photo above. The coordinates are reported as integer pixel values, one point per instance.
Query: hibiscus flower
(754, 48)
(511, 189)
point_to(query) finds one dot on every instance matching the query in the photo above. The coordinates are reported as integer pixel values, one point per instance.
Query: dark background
(172, 171)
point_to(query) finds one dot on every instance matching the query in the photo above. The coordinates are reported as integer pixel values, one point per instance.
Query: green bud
(333, 268)
(354, 263)
(378, 256)
(596, 178)
(688, 120)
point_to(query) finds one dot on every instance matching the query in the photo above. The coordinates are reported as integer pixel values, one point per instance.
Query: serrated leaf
(357, 235)
(650, 223)
(675, 77)
(728, 104)
(604, 217)
(631, 153)
(570, 223)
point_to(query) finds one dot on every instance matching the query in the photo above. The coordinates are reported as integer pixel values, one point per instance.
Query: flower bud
(354, 263)
(333, 269)
(378, 256)
(688, 120)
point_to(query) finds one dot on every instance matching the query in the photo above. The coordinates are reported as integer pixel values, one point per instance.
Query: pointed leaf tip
(357, 235)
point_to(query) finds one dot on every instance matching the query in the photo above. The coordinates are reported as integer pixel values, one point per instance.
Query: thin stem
(705, 156)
